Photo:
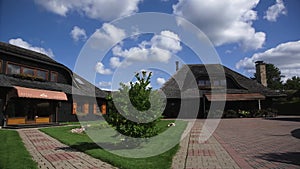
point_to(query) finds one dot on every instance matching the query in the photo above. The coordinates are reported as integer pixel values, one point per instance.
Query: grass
(13, 154)
(115, 156)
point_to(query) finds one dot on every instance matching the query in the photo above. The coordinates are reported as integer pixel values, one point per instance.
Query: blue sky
(241, 32)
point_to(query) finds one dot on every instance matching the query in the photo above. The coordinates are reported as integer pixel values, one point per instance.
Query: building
(36, 89)
(237, 91)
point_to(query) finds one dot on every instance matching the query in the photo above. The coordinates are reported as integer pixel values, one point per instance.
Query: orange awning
(40, 94)
(234, 97)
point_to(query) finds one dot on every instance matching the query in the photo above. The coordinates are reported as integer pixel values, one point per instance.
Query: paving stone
(209, 154)
(51, 154)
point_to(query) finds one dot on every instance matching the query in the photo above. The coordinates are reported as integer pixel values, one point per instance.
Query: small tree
(131, 111)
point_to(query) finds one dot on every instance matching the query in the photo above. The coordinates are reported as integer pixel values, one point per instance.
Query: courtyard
(236, 143)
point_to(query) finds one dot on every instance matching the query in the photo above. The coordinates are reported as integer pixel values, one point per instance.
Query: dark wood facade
(34, 88)
(193, 85)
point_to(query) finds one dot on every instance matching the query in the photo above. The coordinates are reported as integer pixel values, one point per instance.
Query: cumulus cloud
(275, 11)
(78, 33)
(115, 62)
(100, 68)
(160, 81)
(224, 22)
(160, 48)
(107, 36)
(23, 44)
(104, 84)
(96, 9)
(285, 56)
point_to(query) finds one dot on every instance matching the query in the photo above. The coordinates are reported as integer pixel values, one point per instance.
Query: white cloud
(23, 44)
(78, 33)
(160, 81)
(101, 69)
(104, 84)
(285, 56)
(167, 40)
(107, 36)
(159, 49)
(224, 22)
(275, 10)
(115, 62)
(96, 9)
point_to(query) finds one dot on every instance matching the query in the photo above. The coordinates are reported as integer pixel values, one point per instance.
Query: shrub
(244, 113)
(269, 112)
(135, 110)
(230, 114)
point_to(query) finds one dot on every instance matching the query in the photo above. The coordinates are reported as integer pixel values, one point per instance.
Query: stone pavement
(242, 143)
(262, 143)
(50, 153)
(207, 155)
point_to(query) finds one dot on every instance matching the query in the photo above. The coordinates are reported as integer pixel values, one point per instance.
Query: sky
(107, 41)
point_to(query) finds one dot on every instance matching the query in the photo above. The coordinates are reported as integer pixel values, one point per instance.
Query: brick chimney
(261, 73)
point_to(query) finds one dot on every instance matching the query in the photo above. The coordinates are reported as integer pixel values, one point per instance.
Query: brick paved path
(50, 153)
(243, 143)
(207, 155)
(268, 144)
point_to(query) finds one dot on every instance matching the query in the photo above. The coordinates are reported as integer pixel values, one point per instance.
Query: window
(42, 74)
(201, 82)
(28, 71)
(80, 108)
(85, 108)
(223, 82)
(74, 108)
(0, 66)
(103, 108)
(13, 69)
(216, 83)
(53, 77)
(96, 108)
(207, 82)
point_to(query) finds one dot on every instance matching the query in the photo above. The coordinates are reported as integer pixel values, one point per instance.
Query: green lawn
(106, 136)
(13, 154)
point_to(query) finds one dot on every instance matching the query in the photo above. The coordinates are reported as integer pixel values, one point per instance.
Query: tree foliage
(135, 110)
(293, 83)
(273, 77)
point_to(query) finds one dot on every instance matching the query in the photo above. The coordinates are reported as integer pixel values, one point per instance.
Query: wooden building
(35, 89)
(237, 91)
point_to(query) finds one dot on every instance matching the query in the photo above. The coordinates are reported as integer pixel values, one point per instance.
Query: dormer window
(204, 83)
(215, 83)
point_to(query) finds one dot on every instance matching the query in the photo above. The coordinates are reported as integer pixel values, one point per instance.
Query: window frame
(35, 69)
(53, 72)
(12, 63)
(44, 70)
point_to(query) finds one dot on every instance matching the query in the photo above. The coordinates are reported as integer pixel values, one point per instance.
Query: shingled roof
(187, 73)
(84, 89)
(24, 53)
